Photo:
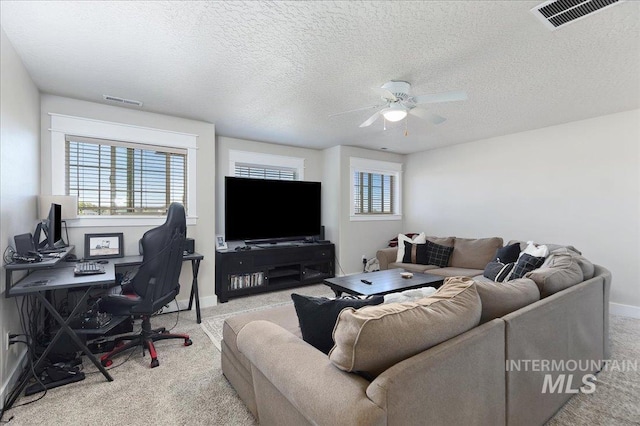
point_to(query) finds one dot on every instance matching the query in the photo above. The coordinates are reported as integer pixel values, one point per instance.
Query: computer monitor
(52, 228)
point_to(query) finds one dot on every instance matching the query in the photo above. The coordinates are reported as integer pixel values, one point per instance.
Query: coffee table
(382, 282)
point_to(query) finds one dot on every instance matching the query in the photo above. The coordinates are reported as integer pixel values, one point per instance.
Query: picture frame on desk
(221, 244)
(103, 246)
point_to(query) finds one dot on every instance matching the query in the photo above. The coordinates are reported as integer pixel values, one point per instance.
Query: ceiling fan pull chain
(406, 126)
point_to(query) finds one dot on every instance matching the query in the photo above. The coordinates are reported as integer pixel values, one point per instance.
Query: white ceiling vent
(121, 100)
(557, 13)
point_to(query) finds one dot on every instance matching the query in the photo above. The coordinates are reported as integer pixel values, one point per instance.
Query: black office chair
(154, 285)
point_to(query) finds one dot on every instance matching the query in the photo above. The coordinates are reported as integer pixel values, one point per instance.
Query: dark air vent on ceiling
(557, 13)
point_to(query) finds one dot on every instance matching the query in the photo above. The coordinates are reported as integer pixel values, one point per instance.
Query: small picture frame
(221, 244)
(103, 246)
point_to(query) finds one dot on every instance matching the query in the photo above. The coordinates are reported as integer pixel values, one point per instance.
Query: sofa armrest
(306, 378)
(460, 381)
(386, 256)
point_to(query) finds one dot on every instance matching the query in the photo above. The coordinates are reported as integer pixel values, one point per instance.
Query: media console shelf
(263, 269)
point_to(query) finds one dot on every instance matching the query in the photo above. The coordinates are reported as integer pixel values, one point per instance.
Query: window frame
(265, 160)
(63, 125)
(363, 165)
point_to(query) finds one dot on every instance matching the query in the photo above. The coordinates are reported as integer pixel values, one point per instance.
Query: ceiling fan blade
(371, 119)
(385, 94)
(456, 95)
(427, 115)
(357, 109)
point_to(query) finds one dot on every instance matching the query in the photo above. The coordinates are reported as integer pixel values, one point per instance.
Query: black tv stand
(267, 268)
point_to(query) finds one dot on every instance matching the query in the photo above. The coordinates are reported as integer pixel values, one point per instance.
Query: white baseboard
(12, 380)
(624, 310)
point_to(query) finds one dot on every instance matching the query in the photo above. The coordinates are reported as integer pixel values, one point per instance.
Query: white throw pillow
(535, 250)
(418, 239)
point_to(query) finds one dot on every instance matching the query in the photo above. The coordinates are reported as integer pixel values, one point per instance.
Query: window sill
(372, 217)
(119, 221)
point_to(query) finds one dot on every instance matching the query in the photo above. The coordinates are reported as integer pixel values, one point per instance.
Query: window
(124, 174)
(264, 172)
(373, 193)
(265, 166)
(118, 178)
(375, 189)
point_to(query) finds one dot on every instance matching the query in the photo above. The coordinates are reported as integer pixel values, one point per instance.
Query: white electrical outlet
(6, 342)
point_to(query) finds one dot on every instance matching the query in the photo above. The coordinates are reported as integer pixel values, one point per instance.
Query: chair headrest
(175, 214)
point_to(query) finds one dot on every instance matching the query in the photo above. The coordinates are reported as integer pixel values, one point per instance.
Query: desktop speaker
(24, 244)
(190, 245)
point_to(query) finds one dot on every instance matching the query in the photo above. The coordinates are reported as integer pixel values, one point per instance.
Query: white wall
(203, 232)
(577, 183)
(331, 167)
(312, 164)
(19, 179)
(359, 238)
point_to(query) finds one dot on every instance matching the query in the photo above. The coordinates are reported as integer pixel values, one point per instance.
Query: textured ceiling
(275, 71)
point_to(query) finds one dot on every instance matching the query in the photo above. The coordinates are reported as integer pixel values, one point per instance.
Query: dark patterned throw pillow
(526, 263)
(498, 271)
(415, 253)
(438, 255)
(318, 315)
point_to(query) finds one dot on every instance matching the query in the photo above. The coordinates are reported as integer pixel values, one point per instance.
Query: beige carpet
(188, 387)
(212, 326)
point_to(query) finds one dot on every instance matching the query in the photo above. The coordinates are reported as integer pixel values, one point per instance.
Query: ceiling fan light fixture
(394, 113)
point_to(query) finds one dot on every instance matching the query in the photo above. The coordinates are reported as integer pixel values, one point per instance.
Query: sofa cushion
(374, 338)
(501, 298)
(317, 316)
(450, 271)
(474, 253)
(562, 270)
(526, 263)
(284, 316)
(443, 241)
(419, 239)
(413, 267)
(508, 254)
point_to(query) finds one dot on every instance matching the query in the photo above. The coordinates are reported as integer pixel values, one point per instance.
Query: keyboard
(88, 268)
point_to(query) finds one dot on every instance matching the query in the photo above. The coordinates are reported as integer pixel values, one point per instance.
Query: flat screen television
(265, 210)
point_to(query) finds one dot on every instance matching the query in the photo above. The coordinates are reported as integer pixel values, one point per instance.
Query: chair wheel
(188, 342)
(106, 362)
(154, 363)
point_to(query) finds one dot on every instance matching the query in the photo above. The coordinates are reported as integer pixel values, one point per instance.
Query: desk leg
(64, 327)
(195, 268)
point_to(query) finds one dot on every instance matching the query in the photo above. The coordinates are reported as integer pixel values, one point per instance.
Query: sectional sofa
(464, 345)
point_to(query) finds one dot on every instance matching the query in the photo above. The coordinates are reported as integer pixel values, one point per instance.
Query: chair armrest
(306, 378)
(386, 256)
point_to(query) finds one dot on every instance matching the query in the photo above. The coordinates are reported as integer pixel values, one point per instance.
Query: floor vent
(557, 13)
(121, 100)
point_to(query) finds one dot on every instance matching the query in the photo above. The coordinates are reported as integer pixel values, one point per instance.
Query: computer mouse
(102, 261)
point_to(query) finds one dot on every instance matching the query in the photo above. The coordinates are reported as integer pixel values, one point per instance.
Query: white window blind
(264, 172)
(373, 193)
(120, 178)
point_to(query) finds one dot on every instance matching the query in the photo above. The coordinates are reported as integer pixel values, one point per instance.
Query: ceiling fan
(398, 103)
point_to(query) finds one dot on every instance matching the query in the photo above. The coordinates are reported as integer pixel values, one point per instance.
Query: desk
(56, 274)
(195, 259)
